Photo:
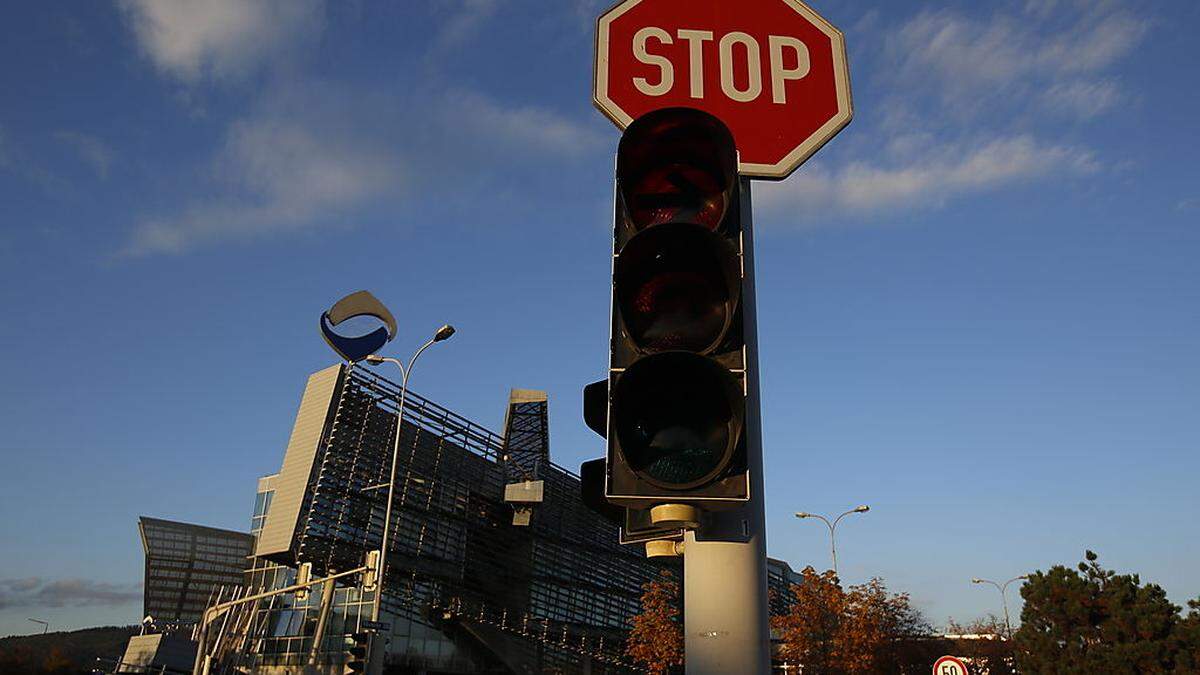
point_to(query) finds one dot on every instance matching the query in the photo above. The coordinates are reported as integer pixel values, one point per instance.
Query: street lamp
(1003, 597)
(45, 625)
(442, 333)
(833, 526)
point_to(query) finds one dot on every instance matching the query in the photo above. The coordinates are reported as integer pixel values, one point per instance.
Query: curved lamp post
(363, 348)
(1003, 597)
(833, 526)
(442, 333)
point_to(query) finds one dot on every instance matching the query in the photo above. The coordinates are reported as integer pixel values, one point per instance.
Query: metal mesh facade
(463, 582)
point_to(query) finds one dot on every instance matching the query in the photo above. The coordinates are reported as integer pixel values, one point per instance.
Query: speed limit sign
(949, 665)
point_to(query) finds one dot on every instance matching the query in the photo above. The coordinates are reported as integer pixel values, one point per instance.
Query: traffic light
(673, 406)
(358, 653)
(370, 576)
(303, 576)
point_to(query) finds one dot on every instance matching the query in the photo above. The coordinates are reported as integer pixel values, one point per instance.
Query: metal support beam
(327, 592)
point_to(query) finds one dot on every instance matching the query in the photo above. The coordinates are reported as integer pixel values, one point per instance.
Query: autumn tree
(831, 630)
(656, 641)
(1093, 620)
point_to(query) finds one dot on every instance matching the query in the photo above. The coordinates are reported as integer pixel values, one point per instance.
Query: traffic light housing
(303, 576)
(358, 653)
(675, 398)
(370, 576)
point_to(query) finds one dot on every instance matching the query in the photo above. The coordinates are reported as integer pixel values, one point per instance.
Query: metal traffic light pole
(725, 568)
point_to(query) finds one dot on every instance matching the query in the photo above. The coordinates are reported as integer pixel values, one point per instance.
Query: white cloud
(1081, 98)
(1003, 49)
(967, 104)
(465, 21)
(280, 175)
(314, 155)
(524, 128)
(928, 179)
(94, 152)
(220, 39)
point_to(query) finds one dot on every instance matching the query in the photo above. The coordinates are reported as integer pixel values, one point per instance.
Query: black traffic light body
(358, 653)
(674, 402)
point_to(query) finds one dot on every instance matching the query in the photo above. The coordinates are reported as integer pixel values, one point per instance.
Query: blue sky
(979, 305)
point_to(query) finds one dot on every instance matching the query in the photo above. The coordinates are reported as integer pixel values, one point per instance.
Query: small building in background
(186, 565)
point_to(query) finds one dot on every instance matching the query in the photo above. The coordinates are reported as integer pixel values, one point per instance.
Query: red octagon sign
(773, 70)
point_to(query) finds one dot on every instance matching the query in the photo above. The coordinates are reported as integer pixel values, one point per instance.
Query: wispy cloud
(193, 40)
(966, 104)
(522, 129)
(971, 61)
(275, 174)
(466, 18)
(938, 174)
(317, 155)
(1081, 98)
(39, 592)
(94, 152)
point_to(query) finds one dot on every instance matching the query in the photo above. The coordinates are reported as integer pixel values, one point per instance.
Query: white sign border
(790, 162)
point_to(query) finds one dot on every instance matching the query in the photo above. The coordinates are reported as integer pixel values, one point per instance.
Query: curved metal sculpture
(361, 303)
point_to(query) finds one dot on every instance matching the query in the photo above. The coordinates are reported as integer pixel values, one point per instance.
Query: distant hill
(62, 653)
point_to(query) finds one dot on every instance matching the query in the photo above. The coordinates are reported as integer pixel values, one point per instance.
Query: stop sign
(774, 71)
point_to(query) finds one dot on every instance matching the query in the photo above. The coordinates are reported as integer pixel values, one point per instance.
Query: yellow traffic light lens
(677, 288)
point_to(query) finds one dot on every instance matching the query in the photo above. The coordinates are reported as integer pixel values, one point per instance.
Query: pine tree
(1092, 620)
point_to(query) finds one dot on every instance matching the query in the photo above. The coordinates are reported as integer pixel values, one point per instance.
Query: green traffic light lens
(678, 416)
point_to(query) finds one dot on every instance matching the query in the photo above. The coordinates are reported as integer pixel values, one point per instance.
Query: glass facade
(187, 566)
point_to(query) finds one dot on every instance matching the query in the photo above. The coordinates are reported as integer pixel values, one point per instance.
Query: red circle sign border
(790, 162)
(954, 659)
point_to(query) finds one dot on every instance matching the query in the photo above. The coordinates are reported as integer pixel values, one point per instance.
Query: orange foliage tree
(656, 641)
(832, 630)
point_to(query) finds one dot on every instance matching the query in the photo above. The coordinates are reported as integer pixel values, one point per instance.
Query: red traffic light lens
(678, 416)
(677, 193)
(676, 165)
(676, 288)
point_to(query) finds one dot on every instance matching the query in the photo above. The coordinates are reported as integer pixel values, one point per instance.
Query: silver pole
(725, 571)
(387, 514)
(833, 529)
(1003, 588)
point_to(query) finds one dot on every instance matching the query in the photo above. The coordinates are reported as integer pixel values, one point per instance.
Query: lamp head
(862, 509)
(802, 514)
(976, 580)
(373, 359)
(443, 333)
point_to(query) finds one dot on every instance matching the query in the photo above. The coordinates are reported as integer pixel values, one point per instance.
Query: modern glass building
(471, 587)
(467, 590)
(188, 565)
